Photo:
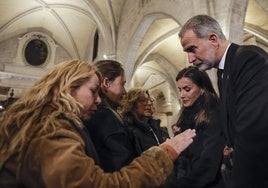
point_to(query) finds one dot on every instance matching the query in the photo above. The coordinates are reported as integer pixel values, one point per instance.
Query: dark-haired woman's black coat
(199, 165)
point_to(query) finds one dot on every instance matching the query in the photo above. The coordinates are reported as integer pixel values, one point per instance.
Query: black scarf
(188, 116)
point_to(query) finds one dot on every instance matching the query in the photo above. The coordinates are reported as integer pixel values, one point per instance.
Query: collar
(222, 62)
(108, 103)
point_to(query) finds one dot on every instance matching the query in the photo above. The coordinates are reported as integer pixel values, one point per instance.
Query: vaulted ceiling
(72, 24)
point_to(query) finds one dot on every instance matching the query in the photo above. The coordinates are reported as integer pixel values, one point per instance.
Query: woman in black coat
(199, 165)
(106, 127)
(137, 112)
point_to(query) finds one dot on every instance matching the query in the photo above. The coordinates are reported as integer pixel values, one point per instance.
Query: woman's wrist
(170, 151)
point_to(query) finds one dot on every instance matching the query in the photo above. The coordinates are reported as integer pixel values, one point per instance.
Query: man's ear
(106, 82)
(214, 39)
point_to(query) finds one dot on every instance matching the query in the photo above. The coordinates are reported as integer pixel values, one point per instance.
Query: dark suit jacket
(244, 113)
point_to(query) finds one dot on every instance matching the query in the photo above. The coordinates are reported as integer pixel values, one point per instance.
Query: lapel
(229, 61)
(226, 94)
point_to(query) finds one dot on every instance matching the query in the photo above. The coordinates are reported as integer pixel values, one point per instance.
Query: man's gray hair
(203, 26)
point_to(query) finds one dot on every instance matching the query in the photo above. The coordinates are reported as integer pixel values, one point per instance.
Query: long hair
(35, 111)
(202, 80)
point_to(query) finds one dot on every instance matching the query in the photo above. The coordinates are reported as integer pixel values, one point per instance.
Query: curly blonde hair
(130, 99)
(34, 113)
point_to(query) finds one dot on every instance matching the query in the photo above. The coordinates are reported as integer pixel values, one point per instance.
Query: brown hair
(131, 98)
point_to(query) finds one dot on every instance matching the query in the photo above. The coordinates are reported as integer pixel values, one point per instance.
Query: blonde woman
(137, 112)
(43, 142)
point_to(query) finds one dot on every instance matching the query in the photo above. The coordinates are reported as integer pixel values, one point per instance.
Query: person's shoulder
(250, 49)
(102, 110)
(63, 133)
(248, 57)
(137, 129)
(102, 115)
(155, 122)
(105, 122)
(133, 129)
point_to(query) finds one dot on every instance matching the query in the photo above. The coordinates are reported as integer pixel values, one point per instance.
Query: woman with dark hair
(137, 112)
(199, 165)
(109, 135)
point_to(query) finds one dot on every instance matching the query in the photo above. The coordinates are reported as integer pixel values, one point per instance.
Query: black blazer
(244, 113)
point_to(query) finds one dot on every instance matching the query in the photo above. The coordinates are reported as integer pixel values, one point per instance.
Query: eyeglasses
(147, 100)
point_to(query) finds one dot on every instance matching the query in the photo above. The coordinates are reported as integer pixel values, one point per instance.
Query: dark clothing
(110, 138)
(147, 134)
(89, 146)
(244, 113)
(199, 165)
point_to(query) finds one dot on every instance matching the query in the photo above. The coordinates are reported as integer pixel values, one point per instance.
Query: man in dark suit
(243, 87)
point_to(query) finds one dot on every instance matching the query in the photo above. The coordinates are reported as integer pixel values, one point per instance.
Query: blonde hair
(34, 113)
(131, 98)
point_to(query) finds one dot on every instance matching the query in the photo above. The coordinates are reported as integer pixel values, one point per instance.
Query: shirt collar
(222, 62)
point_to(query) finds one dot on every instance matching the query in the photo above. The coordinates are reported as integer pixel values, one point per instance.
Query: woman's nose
(98, 100)
(182, 94)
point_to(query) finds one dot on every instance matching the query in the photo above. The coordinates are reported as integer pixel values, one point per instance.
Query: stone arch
(131, 53)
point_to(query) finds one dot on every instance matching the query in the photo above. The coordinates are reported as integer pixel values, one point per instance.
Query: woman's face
(115, 89)
(88, 95)
(189, 91)
(144, 108)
